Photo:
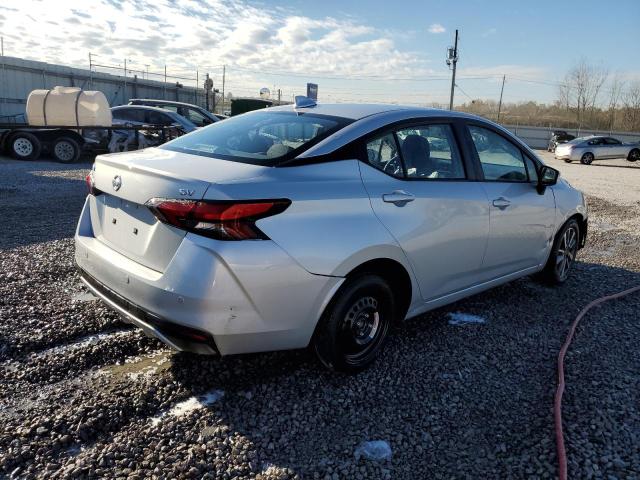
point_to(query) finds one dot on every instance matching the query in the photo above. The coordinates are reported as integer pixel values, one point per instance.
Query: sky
(362, 51)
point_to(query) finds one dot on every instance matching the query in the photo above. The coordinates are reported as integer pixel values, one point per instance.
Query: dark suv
(197, 115)
(558, 136)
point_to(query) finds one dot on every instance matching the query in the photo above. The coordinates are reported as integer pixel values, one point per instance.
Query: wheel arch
(395, 274)
(582, 228)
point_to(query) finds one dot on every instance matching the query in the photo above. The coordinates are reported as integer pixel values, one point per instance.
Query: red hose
(557, 404)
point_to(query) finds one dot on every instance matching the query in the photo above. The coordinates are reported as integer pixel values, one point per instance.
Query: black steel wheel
(354, 327)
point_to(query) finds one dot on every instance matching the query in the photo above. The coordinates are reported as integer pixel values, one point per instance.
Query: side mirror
(547, 177)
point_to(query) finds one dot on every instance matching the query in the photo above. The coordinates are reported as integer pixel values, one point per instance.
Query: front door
(418, 188)
(521, 218)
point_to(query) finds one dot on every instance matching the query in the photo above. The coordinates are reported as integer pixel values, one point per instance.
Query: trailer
(66, 144)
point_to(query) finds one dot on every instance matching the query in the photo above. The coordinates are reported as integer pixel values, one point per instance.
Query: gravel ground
(85, 395)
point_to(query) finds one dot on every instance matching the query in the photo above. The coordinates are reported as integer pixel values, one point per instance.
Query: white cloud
(436, 28)
(488, 33)
(202, 34)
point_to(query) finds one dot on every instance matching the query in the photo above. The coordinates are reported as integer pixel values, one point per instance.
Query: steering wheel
(393, 166)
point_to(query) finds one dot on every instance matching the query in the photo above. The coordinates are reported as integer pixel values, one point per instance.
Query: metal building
(18, 77)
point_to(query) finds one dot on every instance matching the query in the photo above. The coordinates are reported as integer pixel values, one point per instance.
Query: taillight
(91, 186)
(222, 220)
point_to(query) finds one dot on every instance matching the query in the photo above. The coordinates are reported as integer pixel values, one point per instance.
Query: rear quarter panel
(330, 227)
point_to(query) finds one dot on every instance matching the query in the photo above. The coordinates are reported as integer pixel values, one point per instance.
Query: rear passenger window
(382, 153)
(157, 118)
(430, 152)
(501, 160)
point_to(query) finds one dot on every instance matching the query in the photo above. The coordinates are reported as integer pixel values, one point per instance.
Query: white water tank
(68, 107)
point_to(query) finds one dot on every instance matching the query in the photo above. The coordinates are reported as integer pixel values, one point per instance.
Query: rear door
(615, 147)
(421, 191)
(521, 218)
(598, 148)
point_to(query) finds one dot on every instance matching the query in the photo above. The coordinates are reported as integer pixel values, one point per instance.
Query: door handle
(501, 203)
(398, 197)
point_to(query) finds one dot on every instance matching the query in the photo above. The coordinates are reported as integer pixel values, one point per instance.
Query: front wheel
(354, 327)
(634, 155)
(587, 158)
(563, 254)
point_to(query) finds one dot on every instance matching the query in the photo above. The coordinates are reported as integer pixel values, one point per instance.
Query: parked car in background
(588, 149)
(173, 126)
(558, 137)
(320, 225)
(195, 114)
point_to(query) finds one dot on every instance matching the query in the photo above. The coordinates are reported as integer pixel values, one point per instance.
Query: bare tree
(631, 101)
(585, 82)
(615, 92)
(564, 96)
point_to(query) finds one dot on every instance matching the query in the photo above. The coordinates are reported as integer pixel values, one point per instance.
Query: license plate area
(132, 230)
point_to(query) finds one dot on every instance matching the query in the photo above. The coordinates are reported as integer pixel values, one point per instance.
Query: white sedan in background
(588, 149)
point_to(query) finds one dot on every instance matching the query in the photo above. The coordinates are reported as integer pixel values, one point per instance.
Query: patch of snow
(83, 342)
(458, 318)
(376, 450)
(146, 372)
(83, 297)
(190, 405)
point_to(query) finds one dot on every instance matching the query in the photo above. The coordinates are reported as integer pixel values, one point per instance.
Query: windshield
(260, 138)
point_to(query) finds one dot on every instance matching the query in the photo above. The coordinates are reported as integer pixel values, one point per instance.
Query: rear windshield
(260, 138)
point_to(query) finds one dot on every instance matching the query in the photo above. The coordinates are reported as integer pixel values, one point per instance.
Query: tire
(587, 158)
(567, 160)
(634, 155)
(563, 254)
(355, 325)
(24, 146)
(65, 150)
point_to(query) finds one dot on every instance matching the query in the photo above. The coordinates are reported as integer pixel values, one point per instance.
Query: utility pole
(279, 96)
(500, 102)
(90, 71)
(164, 86)
(2, 93)
(124, 92)
(453, 58)
(206, 92)
(224, 72)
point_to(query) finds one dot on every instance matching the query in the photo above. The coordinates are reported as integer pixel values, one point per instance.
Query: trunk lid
(128, 180)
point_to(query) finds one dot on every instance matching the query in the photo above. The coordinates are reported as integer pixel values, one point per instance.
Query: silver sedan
(320, 225)
(588, 149)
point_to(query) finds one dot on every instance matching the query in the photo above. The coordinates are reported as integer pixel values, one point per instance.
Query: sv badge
(186, 192)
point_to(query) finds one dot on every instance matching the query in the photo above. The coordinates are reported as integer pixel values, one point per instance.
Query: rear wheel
(66, 150)
(634, 155)
(587, 158)
(563, 254)
(25, 146)
(567, 160)
(354, 327)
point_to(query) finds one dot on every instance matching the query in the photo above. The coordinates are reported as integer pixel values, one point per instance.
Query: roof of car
(160, 101)
(356, 111)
